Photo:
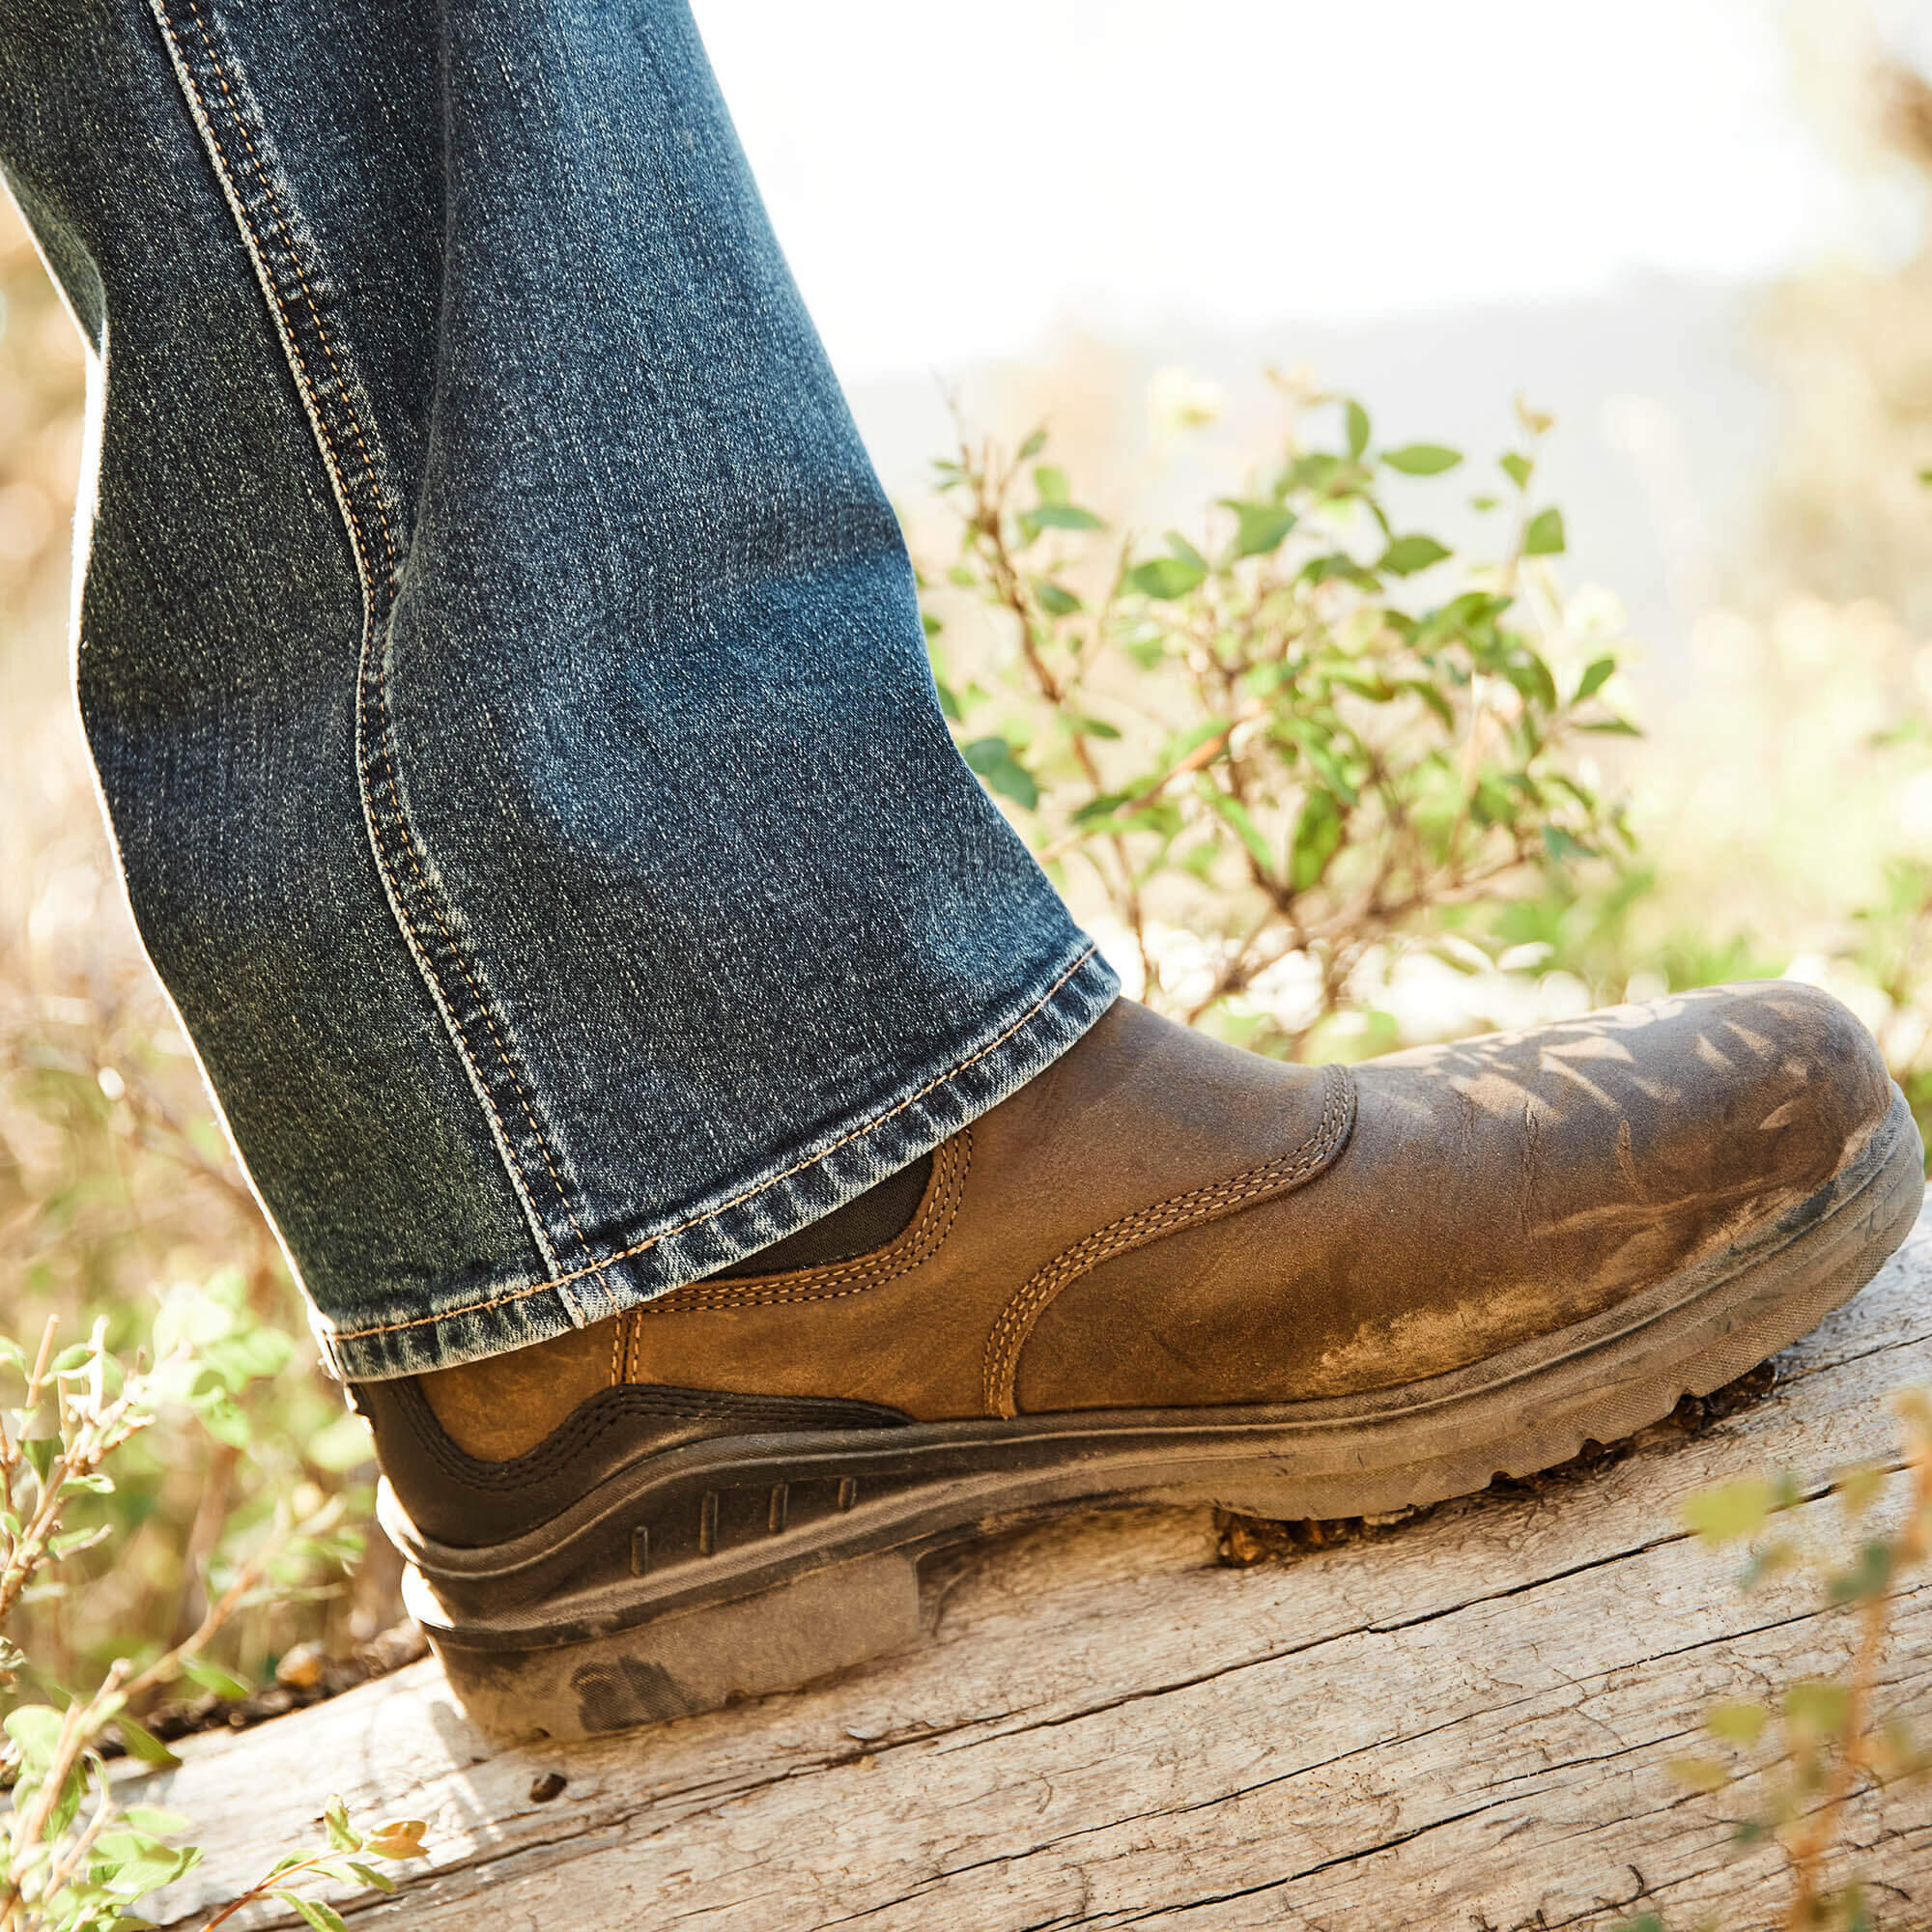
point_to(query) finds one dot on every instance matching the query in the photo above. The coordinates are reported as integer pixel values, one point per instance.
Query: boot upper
(1162, 1220)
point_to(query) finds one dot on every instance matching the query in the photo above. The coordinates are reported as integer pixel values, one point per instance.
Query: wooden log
(1462, 1721)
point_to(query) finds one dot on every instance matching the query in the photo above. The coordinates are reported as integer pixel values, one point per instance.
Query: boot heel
(694, 1659)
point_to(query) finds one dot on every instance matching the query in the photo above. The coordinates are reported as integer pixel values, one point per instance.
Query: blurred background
(1698, 233)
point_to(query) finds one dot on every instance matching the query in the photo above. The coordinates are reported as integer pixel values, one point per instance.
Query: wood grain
(1462, 1721)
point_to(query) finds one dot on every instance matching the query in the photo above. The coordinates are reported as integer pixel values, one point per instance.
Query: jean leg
(678, 885)
(217, 637)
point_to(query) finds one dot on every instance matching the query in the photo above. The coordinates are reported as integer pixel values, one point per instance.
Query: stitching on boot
(1274, 1177)
(340, 1335)
(915, 1244)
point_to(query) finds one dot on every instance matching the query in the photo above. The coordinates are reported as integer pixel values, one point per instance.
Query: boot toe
(1492, 1192)
(1548, 1174)
(1800, 1071)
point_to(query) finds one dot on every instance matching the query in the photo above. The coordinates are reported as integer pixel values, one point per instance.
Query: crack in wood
(1460, 1726)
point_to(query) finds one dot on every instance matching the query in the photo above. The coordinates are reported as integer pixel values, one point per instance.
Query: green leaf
(1317, 835)
(145, 1746)
(69, 1543)
(1868, 1576)
(1818, 1707)
(156, 1822)
(1594, 679)
(1729, 1512)
(140, 1863)
(1612, 727)
(1185, 550)
(68, 1805)
(1051, 482)
(1358, 428)
(948, 701)
(1034, 444)
(1858, 1488)
(369, 1875)
(1434, 700)
(1700, 1774)
(1369, 684)
(1422, 459)
(73, 1358)
(1064, 517)
(211, 1677)
(1564, 848)
(1767, 1560)
(253, 1354)
(994, 761)
(341, 1838)
(1103, 807)
(1318, 747)
(223, 1418)
(1545, 535)
(1337, 563)
(313, 1912)
(1531, 676)
(1166, 578)
(36, 1728)
(1236, 814)
(1517, 469)
(1055, 599)
(1409, 554)
(1737, 1723)
(1260, 526)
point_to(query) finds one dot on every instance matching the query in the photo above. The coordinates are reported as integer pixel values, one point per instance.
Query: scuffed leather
(1492, 1191)
(1485, 1193)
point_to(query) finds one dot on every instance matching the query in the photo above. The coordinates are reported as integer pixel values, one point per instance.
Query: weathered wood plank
(1461, 1723)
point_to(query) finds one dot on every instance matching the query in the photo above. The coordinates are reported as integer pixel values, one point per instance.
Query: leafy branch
(75, 1860)
(1805, 1756)
(1264, 736)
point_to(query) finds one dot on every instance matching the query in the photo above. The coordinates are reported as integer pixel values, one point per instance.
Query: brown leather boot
(1163, 1271)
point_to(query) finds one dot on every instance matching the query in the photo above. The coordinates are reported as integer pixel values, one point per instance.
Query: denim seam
(879, 1120)
(375, 602)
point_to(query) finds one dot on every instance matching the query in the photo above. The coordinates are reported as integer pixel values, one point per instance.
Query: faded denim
(500, 662)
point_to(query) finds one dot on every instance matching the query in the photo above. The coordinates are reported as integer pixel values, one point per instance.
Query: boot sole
(729, 1568)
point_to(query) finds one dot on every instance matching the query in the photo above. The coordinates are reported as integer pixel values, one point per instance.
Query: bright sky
(951, 180)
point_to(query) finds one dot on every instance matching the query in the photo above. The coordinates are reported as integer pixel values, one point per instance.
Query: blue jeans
(502, 664)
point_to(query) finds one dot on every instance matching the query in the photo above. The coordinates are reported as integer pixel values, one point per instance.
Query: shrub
(1304, 735)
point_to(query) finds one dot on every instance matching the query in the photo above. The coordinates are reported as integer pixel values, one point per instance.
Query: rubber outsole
(734, 1567)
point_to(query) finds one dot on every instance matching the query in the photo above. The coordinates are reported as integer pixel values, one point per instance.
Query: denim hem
(1030, 1032)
